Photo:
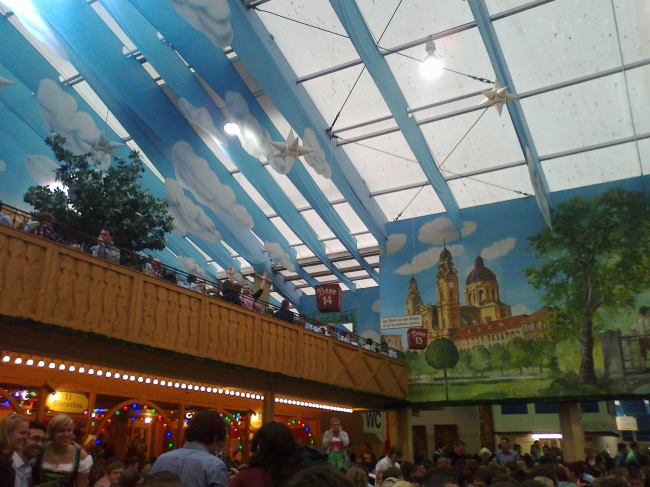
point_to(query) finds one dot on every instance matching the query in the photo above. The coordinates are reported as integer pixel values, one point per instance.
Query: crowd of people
(43, 225)
(34, 455)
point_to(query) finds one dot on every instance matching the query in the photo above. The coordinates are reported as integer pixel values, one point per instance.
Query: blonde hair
(357, 476)
(57, 423)
(403, 483)
(8, 425)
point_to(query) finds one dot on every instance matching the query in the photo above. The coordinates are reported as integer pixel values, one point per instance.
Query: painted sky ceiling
(167, 79)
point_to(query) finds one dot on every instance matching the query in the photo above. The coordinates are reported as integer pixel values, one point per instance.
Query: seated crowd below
(45, 225)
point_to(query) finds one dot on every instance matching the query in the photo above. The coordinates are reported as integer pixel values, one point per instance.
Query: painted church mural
(515, 310)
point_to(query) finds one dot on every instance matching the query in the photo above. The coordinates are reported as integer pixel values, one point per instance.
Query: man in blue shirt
(505, 455)
(196, 463)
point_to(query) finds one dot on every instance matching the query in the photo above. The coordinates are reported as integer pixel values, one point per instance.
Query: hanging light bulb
(231, 128)
(431, 67)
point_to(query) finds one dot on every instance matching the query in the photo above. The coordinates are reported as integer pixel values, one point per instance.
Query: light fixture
(431, 67)
(547, 436)
(231, 128)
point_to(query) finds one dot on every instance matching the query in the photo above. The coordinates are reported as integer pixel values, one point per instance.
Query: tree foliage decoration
(442, 354)
(95, 199)
(596, 256)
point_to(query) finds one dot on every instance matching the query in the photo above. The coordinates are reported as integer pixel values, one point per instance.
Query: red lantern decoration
(417, 338)
(328, 298)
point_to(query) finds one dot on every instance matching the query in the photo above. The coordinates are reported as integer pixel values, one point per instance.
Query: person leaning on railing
(4, 218)
(42, 227)
(104, 249)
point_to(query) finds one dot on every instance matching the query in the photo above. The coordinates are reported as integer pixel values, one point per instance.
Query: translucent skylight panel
(413, 20)
(577, 116)
(287, 186)
(276, 296)
(492, 187)
(309, 291)
(364, 283)
(385, 162)
(632, 18)
(335, 245)
(252, 192)
(287, 233)
(327, 278)
(372, 259)
(463, 52)
(110, 22)
(343, 264)
(326, 185)
(330, 91)
(491, 142)
(307, 49)
(559, 41)
(497, 6)
(350, 218)
(638, 82)
(274, 114)
(593, 167)
(366, 240)
(426, 202)
(321, 228)
(303, 251)
(316, 268)
(356, 274)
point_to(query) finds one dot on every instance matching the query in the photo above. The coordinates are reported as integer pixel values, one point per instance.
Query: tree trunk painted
(446, 386)
(587, 370)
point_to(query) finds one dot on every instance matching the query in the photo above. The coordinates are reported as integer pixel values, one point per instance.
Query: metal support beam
(355, 26)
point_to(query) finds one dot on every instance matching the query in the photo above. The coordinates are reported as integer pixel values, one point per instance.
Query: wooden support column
(246, 453)
(180, 429)
(268, 407)
(404, 432)
(42, 399)
(573, 442)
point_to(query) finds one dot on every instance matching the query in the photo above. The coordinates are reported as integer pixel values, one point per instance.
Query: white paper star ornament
(6, 82)
(290, 150)
(103, 144)
(497, 97)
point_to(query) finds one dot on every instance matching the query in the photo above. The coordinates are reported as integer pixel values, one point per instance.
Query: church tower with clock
(448, 296)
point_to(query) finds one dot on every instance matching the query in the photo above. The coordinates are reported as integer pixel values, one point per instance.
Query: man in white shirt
(25, 459)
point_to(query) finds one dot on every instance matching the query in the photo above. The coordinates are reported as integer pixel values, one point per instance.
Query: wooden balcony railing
(54, 284)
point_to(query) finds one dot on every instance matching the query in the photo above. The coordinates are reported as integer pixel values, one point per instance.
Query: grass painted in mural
(593, 272)
(88, 199)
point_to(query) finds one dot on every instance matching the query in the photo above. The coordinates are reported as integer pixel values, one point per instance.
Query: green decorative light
(117, 413)
(293, 421)
(171, 445)
(241, 447)
(312, 442)
(153, 411)
(32, 393)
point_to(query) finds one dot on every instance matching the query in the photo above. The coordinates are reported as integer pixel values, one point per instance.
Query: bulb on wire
(431, 67)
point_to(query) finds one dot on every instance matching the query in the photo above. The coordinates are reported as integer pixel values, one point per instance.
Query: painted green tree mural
(597, 256)
(500, 358)
(442, 354)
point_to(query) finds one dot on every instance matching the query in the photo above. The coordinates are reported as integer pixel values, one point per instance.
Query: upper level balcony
(58, 301)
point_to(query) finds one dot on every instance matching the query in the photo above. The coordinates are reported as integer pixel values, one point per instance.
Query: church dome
(445, 254)
(480, 273)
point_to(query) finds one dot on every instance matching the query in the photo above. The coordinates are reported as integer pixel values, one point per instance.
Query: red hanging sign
(328, 298)
(417, 338)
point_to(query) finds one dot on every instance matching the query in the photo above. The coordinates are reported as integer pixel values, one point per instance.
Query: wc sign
(375, 422)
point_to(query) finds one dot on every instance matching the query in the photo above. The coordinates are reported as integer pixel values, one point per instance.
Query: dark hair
(532, 483)
(393, 472)
(609, 482)
(438, 479)
(502, 478)
(560, 473)
(191, 278)
(505, 438)
(130, 463)
(205, 427)
(37, 425)
(321, 476)
(114, 466)
(483, 474)
(633, 445)
(162, 479)
(302, 315)
(274, 448)
(458, 443)
(621, 446)
(129, 478)
(110, 231)
(45, 217)
(395, 450)
(407, 469)
(442, 444)
(285, 304)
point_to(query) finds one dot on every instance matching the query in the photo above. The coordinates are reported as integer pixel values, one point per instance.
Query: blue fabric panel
(546, 408)
(217, 70)
(142, 99)
(634, 408)
(354, 24)
(184, 83)
(258, 52)
(514, 408)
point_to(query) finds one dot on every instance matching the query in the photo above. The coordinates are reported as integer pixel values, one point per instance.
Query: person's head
(459, 447)
(485, 454)
(285, 304)
(560, 474)
(35, 441)
(246, 288)
(545, 475)
(156, 265)
(439, 479)
(130, 478)
(407, 470)
(320, 476)
(274, 448)
(191, 278)
(335, 425)
(106, 235)
(442, 445)
(358, 476)
(368, 341)
(574, 472)
(384, 347)
(302, 319)
(546, 450)
(634, 446)
(395, 453)
(162, 479)
(114, 472)
(635, 478)
(14, 430)
(207, 428)
(394, 472)
(367, 448)
(622, 447)
(46, 218)
(60, 430)
(517, 448)
(482, 478)
(504, 444)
